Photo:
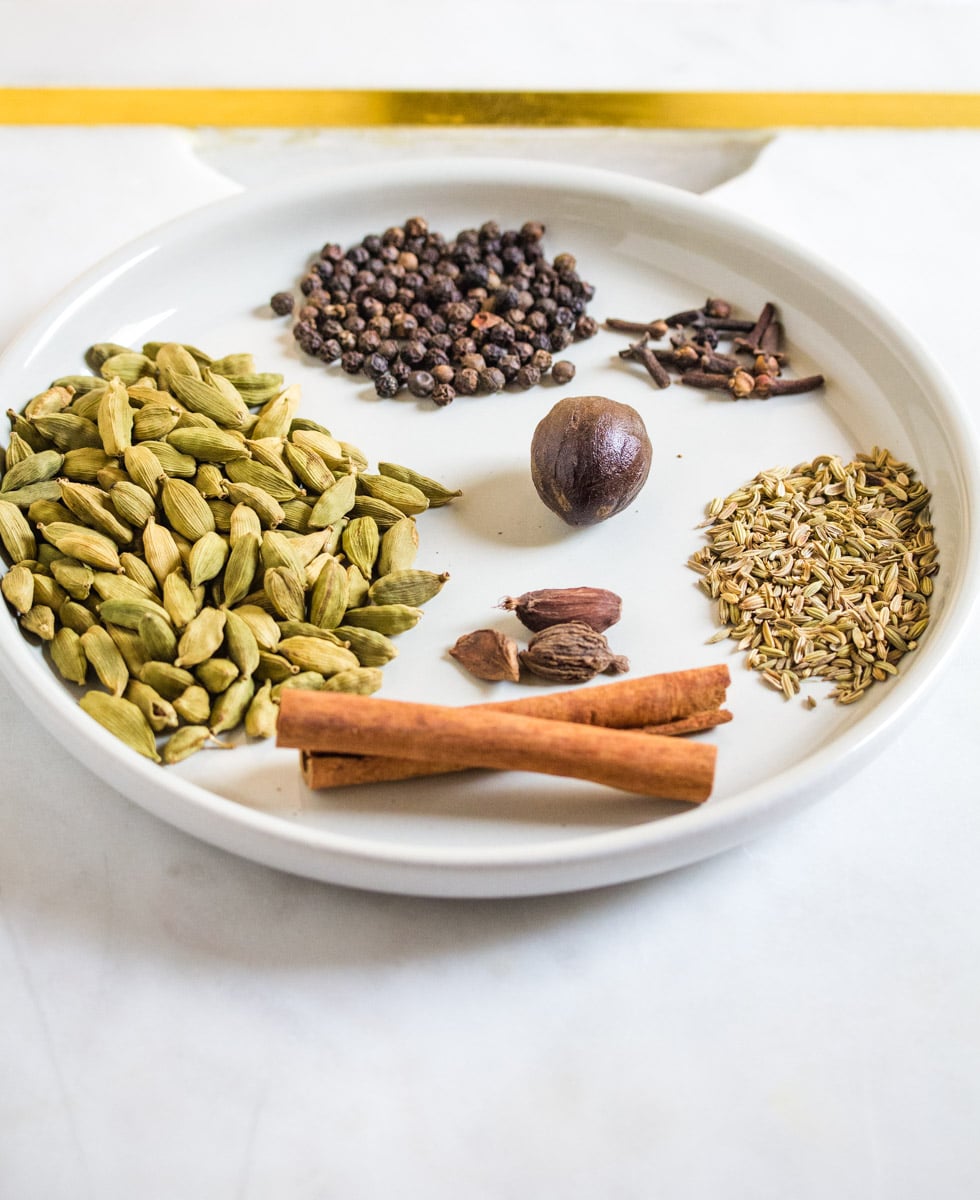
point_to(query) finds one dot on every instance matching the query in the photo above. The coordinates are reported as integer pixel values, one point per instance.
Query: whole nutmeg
(590, 456)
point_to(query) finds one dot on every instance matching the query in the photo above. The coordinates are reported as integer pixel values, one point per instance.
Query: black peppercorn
(282, 304)
(352, 361)
(586, 327)
(330, 351)
(527, 376)
(420, 383)
(386, 385)
(563, 371)
(443, 394)
(466, 381)
(375, 365)
(443, 373)
(542, 360)
(492, 380)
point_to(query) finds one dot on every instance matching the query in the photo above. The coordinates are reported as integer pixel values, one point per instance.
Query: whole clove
(640, 352)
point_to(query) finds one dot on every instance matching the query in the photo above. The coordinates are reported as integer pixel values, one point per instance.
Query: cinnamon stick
(646, 764)
(322, 770)
(648, 700)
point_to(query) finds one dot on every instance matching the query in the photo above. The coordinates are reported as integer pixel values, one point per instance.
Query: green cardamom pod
(153, 422)
(180, 600)
(36, 468)
(373, 649)
(407, 499)
(274, 668)
(160, 713)
(75, 577)
(105, 659)
(68, 431)
(75, 616)
(173, 359)
(174, 464)
(437, 493)
(201, 637)
(207, 558)
(206, 398)
(94, 549)
(356, 681)
(266, 478)
(111, 586)
(136, 569)
(43, 512)
(24, 497)
(18, 588)
(240, 643)
(231, 705)
(115, 417)
(256, 387)
(123, 720)
(186, 509)
(127, 366)
(330, 595)
(208, 445)
(18, 450)
(276, 415)
(240, 568)
(210, 481)
(317, 654)
(269, 451)
(48, 591)
(92, 506)
(54, 399)
(296, 515)
(133, 505)
(216, 674)
(380, 511)
(308, 467)
(262, 714)
(194, 705)
(39, 620)
(68, 656)
(129, 612)
(262, 624)
(158, 637)
(80, 384)
(130, 646)
(165, 678)
(161, 551)
(84, 465)
(361, 541)
(399, 547)
(412, 587)
(268, 509)
(335, 502)
(187, 741)
(286, 593)
(389, 619)
(152, 350)
(145, 468)
(16, 534)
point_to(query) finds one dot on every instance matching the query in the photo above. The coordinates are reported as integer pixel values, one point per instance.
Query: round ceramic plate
(649, 250)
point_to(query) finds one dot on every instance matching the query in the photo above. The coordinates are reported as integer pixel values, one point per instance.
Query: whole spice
(824, 570)
(570, 653)
(672, 768)
(488, 654)
(191, 560)
(409, 307)
(590, 456)
(596, 607)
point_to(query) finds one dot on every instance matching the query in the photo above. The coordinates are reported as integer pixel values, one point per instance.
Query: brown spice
(488, 654)
(570, 653)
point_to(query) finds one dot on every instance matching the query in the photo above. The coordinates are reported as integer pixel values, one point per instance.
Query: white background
(796, 1018)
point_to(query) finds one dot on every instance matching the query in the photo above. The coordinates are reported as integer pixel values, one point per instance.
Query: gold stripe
(640, 110)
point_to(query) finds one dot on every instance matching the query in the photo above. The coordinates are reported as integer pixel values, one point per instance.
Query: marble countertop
(796, 1017)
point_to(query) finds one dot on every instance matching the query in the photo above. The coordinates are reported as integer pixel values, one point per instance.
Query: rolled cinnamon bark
(646, 764)
(662, 701)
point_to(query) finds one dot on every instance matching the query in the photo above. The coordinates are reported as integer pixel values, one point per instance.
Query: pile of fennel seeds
(823, 571)
(185, 546)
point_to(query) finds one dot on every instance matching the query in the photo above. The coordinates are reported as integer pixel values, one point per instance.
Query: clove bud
(595, 607)
(570, 653)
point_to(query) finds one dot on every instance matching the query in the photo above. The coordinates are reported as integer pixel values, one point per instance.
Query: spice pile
(824, 570)
(197, 558)
(442, 317)
(695, 356)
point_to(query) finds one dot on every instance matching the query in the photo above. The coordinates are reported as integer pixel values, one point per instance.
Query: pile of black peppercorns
(409, 309)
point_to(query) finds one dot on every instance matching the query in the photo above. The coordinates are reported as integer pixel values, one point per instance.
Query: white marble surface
(796, 1018)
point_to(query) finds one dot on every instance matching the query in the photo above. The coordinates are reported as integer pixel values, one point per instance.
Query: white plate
(649, 250)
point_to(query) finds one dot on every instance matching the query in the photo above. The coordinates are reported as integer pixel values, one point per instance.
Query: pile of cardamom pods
(176, 533)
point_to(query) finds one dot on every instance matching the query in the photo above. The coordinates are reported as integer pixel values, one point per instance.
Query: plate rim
(561, 865)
